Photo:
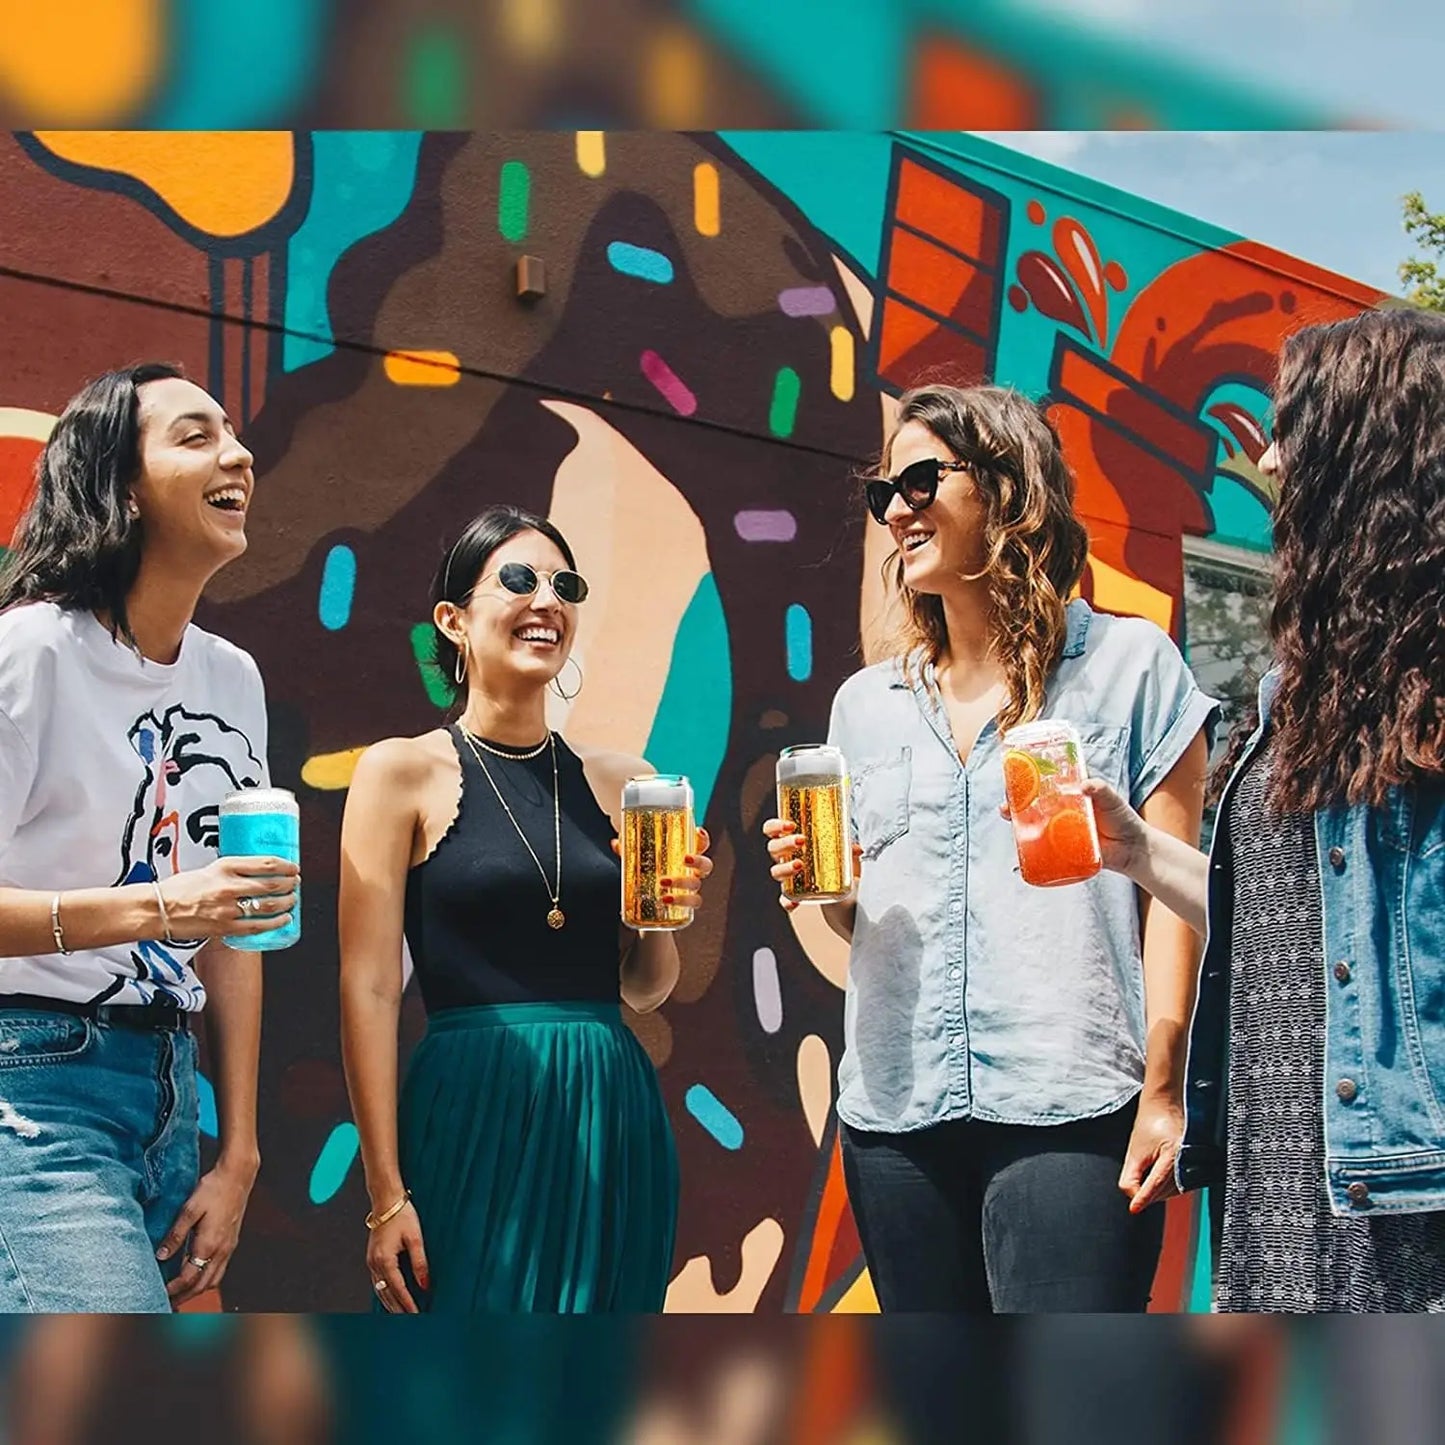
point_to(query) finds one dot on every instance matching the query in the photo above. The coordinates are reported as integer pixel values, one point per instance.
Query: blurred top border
(665, 64)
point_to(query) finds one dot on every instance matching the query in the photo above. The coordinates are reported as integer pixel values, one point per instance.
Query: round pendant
(556, 918)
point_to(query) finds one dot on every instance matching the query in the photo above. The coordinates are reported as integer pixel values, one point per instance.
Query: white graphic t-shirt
(112, 768)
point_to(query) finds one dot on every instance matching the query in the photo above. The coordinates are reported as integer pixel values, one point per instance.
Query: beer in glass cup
(813, 796)
(1054, 828)
(657, 835)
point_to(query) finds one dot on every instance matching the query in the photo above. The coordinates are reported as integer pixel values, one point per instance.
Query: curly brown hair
(1035, 544)
(1358, 622)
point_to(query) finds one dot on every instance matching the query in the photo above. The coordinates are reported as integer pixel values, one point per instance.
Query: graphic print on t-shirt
(192, 761)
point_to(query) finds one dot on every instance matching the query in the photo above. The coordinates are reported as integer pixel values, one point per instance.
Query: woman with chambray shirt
(1316, 1080)
(1009, 1089)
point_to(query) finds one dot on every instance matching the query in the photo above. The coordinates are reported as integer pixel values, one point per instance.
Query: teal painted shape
(1305, 1398)
(333, 1164)
(1201, 1282)
(196, 1332)
(714, 1116)
(338, 588)
(1241, 518)
(798, 637)
(206, 1107)
(363, 181)
(240, 64)
(640, 261)
(690, 731)
(845, 68)
(838, 181)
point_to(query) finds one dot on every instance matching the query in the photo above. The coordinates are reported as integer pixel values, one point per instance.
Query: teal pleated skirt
(540, 1158)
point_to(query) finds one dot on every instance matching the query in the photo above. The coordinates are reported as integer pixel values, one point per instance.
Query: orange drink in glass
(1054, 829)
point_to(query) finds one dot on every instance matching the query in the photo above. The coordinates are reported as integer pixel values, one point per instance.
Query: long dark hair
(1036, 544)
(1358, 623)
(77, 544)
(457, 573)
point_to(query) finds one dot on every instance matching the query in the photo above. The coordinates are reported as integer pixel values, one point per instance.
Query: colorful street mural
(726, 322)
(664, 64)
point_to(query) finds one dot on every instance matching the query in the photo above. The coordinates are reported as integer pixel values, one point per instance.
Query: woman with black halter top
(528, 1164)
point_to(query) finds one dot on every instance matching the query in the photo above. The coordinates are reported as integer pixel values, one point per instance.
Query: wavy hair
(1358, 622)
(1035, 544)
(77, 544)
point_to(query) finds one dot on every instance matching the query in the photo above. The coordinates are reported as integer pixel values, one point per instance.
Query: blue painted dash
(333, 1164)
(798, 633)
(714, 1116)
(206, 1100)
(338, 587)
(640, 261)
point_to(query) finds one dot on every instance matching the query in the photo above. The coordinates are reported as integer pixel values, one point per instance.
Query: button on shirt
(971, 994)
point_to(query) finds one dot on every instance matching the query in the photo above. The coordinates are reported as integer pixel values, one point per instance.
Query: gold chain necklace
(555, 917)
(477, 742)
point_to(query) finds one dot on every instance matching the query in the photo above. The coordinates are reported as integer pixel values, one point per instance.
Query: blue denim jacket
(971, 994)
(1382, 886)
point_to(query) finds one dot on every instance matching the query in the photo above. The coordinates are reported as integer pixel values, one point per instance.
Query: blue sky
(1331, 197)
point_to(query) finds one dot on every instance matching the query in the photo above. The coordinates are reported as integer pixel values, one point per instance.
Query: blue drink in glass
(263, 823)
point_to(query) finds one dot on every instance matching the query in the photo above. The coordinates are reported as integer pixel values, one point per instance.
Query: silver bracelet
(161, 904)
(56, 931)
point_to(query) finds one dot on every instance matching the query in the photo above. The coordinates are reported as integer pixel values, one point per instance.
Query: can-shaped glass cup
(813, 796)
(263, 823)
(657, 835)
(1054, 828)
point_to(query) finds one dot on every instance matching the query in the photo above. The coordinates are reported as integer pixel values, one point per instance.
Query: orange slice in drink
(1070, 845)
(1022, 779)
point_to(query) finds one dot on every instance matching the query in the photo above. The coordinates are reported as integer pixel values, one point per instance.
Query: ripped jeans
(99, 1150)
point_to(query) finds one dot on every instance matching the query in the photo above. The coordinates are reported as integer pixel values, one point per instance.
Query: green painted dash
(513, 199)
(432, 677)
(435, 83)
(783, 414)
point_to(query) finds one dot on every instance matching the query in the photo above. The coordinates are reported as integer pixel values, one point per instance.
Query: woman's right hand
(400, 1235)
(206, 902)
(785, 849)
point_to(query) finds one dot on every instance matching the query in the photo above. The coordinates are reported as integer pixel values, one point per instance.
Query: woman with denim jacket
(1316, 1077)
(1009, 1089)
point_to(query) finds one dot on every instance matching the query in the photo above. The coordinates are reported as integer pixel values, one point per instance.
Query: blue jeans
(974, 1218)
(99, 1150)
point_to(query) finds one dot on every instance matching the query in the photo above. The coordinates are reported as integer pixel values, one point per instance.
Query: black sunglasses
(917, 484)
(523, 579)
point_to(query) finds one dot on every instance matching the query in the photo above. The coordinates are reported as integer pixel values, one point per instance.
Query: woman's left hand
(211, 1219)
(1148, 1173)
(684, 892)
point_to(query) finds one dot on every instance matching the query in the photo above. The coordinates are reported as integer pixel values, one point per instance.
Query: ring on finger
(247, 907)
(380, 1286)
(196, 1261)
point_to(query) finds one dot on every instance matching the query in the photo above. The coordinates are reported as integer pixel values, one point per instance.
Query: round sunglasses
(523, 579)
(917, 484)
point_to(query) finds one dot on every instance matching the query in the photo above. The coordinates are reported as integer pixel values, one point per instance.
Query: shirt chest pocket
(879, 800)
(1413, 821)
(1106, 753)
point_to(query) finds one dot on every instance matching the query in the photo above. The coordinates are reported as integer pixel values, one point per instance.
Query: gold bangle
(373, 1219)
(57, 932)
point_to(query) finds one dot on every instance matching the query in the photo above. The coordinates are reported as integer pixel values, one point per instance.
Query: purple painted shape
(807, 301)
(674, 390)
(766, 526)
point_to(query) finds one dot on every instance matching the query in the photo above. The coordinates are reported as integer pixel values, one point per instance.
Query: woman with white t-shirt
(122, 726)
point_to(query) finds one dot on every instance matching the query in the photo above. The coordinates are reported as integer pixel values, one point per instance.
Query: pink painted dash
(807, 301)
(766, 526)
(672, 387)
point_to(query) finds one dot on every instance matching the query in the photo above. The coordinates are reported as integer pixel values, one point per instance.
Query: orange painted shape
(949, 212)
(941, 281)
(17, 478)
(1083, 379)
(956, 88)
(422, 368)
(1176, 1256)
(837, 1382)
(832, 1203)
(76, 63)
(903, 329)
(225, 183)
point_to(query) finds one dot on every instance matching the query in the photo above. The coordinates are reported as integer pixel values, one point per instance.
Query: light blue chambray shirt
(971, 994)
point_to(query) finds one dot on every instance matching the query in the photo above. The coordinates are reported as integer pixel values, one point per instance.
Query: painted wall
(727, 321)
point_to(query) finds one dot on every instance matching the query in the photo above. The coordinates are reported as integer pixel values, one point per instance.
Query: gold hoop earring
(460, 670)
(557, 686)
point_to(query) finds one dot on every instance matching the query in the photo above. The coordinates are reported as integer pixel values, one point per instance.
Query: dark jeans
(967, 1217)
